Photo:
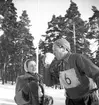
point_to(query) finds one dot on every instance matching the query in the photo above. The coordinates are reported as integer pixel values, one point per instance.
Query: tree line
(16, 41)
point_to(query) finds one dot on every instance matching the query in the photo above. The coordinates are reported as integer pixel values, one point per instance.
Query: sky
(41, 11)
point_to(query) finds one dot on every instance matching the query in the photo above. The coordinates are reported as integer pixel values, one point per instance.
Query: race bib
(69, 79)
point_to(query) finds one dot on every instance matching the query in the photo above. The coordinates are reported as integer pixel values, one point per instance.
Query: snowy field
(7, 93)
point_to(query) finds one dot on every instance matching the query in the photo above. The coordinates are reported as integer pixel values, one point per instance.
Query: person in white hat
(75, 75)
(35, 85)
(32, 79)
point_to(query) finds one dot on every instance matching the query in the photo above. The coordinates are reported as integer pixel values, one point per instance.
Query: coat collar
(66, 57)
(29, 75)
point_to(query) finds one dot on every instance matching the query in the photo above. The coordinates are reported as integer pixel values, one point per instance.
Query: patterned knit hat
(63, 42)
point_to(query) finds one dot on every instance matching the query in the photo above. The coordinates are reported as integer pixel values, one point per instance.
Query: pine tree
(25, 46)
(7, 42)
(94, 31)
(71, 27)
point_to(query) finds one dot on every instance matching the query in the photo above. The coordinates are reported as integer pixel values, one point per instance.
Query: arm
(17, 88)
(21, 84)
(89, 68)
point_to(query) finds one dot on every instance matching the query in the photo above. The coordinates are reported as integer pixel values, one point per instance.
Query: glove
(25, 89)
(25, 93)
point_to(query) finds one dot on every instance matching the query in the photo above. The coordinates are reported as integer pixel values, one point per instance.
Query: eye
(66, 49)
(60, 46)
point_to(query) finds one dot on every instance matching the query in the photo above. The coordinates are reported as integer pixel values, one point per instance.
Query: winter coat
(76, 73)
(33, 81)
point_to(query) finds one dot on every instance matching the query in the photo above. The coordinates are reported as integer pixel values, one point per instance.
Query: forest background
(17, 39)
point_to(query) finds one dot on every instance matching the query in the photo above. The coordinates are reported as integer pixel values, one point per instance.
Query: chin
(34, 71)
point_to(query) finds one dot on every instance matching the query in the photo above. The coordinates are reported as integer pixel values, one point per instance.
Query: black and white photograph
(49, 52)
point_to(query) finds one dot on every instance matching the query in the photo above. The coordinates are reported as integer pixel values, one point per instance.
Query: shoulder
(75, 56)
(23, 77)
(20, 77)
(80, 58)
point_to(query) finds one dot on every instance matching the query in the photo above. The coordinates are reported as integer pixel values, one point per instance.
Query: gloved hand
(25, 89)
(25, 93)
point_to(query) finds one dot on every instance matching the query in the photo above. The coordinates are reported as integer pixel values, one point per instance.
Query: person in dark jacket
(78, 75)
(32, 79)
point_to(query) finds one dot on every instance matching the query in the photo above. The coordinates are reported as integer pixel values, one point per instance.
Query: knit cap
(26, 64)
(63, 42)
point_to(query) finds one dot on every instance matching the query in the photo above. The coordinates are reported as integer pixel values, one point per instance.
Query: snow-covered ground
(7, 93)
(57, 94)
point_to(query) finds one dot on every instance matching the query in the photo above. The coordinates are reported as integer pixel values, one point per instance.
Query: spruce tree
(7, 40)
(25, 46)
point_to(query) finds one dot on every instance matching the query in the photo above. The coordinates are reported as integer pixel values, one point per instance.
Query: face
(59, 51)
(32, 66)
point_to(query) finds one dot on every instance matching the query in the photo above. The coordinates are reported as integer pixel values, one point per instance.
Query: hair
(64, 43)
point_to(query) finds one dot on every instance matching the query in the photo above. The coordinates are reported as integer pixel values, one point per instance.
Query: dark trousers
(91, 99)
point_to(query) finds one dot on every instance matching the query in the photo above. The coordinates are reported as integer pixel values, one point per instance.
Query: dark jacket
(74, 75)
(33, 80)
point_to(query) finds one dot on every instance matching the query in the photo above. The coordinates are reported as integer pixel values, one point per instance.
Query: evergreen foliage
(16, 42)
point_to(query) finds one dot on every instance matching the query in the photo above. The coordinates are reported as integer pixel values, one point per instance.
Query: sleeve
(89, 68)
(17, 88)
(47, 77)
(25, 92)
(21, 84)
(33, 86)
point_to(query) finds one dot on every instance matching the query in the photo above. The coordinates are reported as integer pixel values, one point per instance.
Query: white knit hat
(25, 66)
